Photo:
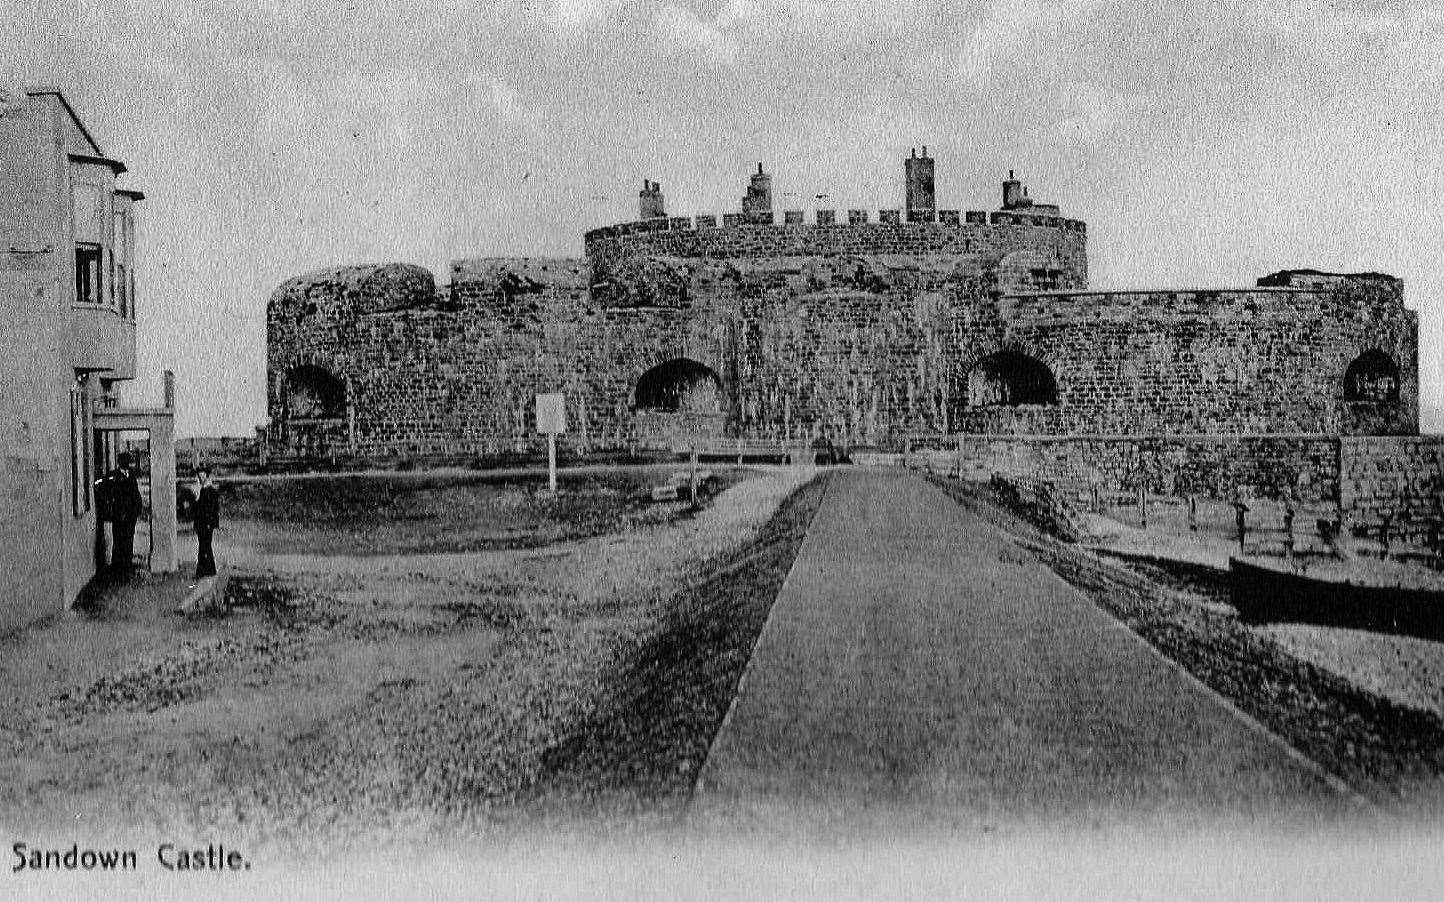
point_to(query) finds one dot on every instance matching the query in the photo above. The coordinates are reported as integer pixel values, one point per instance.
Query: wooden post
(1328, 533)
(552, 461)
(551, 419)
(1289, 529)
(162, 494)
(350, 425)
(1436, 530)
(1239, 509)
(695, 502)
(1143, 506)
(1193, 513)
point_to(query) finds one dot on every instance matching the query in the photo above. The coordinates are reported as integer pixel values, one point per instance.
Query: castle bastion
(860, 328)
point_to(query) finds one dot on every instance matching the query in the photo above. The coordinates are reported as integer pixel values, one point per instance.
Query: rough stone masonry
(864, 329)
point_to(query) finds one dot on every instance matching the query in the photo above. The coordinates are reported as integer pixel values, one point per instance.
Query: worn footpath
(920, 671)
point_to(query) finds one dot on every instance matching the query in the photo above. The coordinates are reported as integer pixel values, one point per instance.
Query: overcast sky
(1205, 143)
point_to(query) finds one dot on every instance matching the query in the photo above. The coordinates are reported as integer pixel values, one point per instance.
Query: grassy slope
(669, 688)
(365, 515)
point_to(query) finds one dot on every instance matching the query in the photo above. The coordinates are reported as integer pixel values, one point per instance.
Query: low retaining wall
(1371, 480)
(1210, 466)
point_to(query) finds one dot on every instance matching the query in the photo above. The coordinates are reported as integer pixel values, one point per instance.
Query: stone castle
(973, 329)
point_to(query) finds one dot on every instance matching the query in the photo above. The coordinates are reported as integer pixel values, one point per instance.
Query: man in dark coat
(121, 505)
(207, 518)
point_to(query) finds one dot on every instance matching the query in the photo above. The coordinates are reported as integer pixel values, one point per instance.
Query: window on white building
(87, 274)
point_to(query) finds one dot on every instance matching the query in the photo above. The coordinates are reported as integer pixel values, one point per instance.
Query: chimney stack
(919, 194)
(757, 202)
(650, 203)
(1014, 196)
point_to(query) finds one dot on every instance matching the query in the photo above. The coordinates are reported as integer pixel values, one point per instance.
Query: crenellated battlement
(887, 219)
(1024, 249)
(1025, 243)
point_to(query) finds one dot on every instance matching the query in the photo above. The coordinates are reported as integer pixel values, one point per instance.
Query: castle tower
(757, 202)
(650, 202)
(918, 179)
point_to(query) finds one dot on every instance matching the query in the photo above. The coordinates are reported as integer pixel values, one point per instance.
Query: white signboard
(551, 413)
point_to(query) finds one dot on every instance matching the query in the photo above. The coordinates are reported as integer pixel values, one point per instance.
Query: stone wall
(425, 372)
(1256, 360)
(1398, 477)
(1369, 479)
(864, 349)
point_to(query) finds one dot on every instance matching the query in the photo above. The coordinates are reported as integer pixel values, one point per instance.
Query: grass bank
(419, 514)
(668, 687)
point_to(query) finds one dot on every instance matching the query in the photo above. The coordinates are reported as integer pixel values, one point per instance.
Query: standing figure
(207, 518)
(121, 505)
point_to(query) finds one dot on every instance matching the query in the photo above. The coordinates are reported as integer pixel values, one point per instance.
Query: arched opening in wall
(313, 393)
(679, 386)
(1010, 379)
(1044, 278)
(1373, 377)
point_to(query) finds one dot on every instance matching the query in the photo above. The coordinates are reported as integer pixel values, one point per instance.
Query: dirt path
(921, 671)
